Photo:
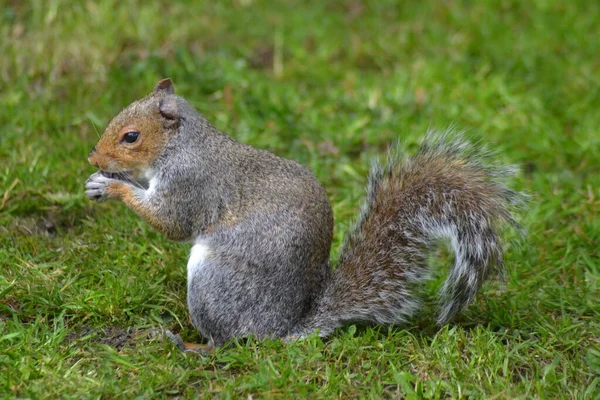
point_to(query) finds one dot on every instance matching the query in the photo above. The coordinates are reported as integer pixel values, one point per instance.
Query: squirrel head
(138, 135)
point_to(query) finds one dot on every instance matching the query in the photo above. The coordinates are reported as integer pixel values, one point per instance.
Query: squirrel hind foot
(187, 347)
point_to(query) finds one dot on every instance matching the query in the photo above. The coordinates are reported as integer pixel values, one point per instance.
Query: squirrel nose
(91, 153)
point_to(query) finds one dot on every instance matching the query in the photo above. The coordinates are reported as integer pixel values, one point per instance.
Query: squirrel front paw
(99, 187)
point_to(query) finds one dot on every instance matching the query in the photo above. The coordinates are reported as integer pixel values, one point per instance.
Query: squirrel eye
(130, 137)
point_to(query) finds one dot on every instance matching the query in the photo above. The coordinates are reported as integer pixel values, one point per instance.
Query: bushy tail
(449, 189)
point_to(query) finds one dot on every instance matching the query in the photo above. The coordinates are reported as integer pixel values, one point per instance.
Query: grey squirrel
(262, 226)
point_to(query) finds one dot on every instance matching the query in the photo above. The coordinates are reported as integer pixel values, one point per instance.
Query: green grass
(83, 286)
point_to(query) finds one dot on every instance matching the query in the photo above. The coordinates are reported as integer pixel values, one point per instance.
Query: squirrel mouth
(126, 176)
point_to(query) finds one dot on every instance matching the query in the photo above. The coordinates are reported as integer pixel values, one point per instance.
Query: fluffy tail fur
(447, 190)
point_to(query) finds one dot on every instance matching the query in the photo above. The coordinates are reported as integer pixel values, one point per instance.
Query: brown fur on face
(112, 154)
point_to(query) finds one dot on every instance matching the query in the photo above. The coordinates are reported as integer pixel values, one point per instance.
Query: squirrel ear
(168, 109)
(164, 86)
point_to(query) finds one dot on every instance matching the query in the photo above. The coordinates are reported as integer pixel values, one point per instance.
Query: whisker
(94, 126)
(132, 179)
(127, 176)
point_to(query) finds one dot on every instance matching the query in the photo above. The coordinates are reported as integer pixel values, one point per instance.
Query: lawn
(84, 287)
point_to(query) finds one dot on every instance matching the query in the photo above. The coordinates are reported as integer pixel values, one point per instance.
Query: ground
(85, 288)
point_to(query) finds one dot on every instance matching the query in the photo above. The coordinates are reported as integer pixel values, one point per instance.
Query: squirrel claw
(176, 339)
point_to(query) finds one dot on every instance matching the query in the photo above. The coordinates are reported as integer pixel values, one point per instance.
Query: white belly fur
(200, 251)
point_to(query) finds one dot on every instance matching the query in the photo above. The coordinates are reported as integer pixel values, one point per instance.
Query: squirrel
(261, 225)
